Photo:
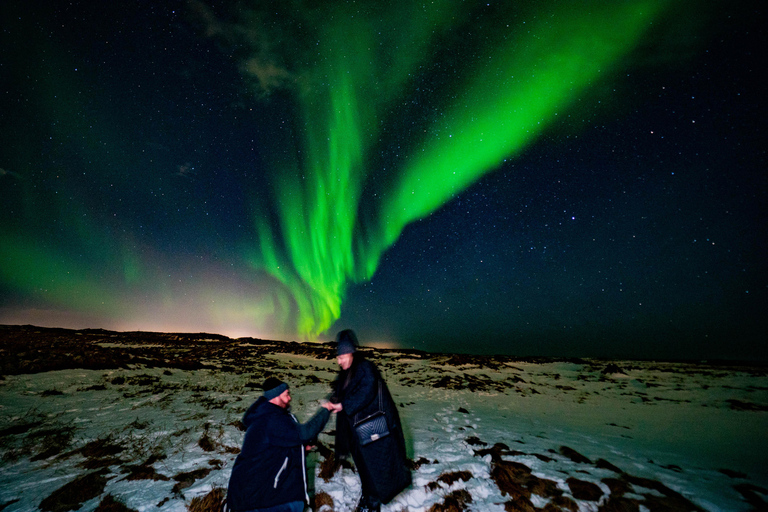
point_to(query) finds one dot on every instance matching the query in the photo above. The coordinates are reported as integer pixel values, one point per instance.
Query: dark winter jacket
(382, 464)
(270, 469)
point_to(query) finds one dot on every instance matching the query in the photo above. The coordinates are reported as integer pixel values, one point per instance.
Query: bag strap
(381, 403)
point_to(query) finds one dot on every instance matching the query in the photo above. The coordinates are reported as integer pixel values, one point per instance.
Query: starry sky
(525, 178)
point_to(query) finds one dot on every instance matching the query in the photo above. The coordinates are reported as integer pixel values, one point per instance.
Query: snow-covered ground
(648, 435)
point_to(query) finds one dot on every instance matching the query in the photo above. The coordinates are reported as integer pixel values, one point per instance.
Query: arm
(309, 430)
(285, 431)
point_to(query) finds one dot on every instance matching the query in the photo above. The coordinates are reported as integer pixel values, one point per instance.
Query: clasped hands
(331, 406)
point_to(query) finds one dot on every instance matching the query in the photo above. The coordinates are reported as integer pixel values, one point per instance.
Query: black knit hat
(346, 342)
(273, 387)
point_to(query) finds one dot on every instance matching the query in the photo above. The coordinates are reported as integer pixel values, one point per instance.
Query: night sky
(526, 178)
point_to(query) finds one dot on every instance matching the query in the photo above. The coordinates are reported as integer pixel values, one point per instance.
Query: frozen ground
(483, 433)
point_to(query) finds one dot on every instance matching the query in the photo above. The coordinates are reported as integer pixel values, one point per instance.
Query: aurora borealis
(518, 177)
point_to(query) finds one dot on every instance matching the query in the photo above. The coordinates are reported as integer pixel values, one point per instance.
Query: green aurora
(526, 72)
(391, 113)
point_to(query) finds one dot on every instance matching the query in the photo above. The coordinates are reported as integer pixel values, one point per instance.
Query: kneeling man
(269, 473)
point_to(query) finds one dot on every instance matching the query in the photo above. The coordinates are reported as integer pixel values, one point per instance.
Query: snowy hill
(99, 420)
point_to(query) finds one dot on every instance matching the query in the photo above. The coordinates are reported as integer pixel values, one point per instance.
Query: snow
(700, 430)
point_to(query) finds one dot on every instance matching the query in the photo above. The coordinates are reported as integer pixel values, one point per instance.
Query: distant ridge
(32, 349)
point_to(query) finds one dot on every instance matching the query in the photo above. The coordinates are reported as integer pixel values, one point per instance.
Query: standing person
(270, 473)
(380, 459)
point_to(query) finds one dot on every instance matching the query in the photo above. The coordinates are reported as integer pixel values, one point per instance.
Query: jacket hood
(258, 409)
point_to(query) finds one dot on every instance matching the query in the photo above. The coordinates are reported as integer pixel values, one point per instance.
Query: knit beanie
(346, 342)
(273, 388)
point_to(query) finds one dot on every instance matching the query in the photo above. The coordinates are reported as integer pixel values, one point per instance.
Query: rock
(574, 455)
(582, 490)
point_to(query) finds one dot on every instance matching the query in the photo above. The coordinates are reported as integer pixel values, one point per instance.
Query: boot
(374, 505)
(368, 504)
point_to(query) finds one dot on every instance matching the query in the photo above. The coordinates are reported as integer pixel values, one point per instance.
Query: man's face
(345, 361)
(283, 399)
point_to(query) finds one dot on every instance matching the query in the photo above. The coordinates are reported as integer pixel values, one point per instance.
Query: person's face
(284, 398)
(345, 361)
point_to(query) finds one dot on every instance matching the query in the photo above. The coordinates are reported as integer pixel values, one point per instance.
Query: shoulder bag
(373, 427)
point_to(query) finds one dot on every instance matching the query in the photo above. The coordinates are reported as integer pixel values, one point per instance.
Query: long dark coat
(382, 464)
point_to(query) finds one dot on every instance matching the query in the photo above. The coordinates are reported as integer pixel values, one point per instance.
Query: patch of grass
(211, 502)
(449, 479)
(142, 380)
(323, 502)
(206, 444)
(416, 464)
(209, 402)
(188, 478)
(50, 442)
(95, 387)
(145, 471)
(8, 504)
(139, 425)
(17, 429)
(71, 496)
(210, 441)
(328, 468)
(453, 502)
(739, 405)
(110, 504)
(99, 453)
(12, 445)
(100, 449)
